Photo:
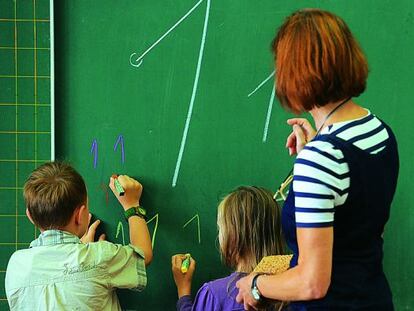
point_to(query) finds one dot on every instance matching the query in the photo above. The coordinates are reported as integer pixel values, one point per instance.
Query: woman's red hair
(318, 61)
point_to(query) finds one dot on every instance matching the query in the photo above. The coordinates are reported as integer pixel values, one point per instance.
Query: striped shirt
(321, 174)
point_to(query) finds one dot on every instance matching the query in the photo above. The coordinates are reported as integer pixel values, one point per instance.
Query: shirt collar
(55, 237)
(334, 126)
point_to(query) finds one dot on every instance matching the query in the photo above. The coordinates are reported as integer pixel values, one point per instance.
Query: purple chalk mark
(94, 150)
(121, 141)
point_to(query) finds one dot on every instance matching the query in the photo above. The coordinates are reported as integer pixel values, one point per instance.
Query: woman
(344, 176)
(249, 228)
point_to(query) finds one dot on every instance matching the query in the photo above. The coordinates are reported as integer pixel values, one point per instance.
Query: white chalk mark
(138, 62)
(261, 84)
(155, 229)
(132, 64)
(198, 226)
(269, 113)
(120, 228)
(193, 95)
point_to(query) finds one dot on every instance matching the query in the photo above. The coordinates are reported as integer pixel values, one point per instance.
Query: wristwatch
(136, 211)
(255, 290)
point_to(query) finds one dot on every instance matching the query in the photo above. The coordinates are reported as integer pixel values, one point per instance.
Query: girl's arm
(204, 300)
(182, 280)
(309, 280)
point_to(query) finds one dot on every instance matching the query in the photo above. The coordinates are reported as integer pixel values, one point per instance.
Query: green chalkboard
(179, 94)
(25, 116)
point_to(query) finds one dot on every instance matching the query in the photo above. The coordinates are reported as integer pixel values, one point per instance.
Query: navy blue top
(357, 281)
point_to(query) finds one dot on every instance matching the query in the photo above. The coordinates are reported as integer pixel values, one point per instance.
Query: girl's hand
(245, 293)
(302, 132)
(182, 280)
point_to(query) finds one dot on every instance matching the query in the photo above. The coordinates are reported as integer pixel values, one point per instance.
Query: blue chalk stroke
(94, 151)
(120, 141)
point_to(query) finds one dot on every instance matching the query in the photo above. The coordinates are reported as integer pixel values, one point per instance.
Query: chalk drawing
(104, 188)
(94, 151)
(261, 84)
(270, 106)
(155, 229)
(120, 141)
(193, 96)
(198, 226)
(269, 113)
(137, 61)
(120, 229)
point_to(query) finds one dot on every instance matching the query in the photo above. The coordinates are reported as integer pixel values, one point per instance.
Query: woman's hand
(245, 293)
(302, 132)
(182, 280)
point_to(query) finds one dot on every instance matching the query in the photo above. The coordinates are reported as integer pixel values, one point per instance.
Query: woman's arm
(309, 280)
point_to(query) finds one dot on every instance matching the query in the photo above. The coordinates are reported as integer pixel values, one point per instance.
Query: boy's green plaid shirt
(59, 272)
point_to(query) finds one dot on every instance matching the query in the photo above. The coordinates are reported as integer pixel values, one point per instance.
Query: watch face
(142, 211)
(255, 293)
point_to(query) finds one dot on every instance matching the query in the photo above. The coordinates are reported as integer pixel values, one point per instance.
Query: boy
(63, 269)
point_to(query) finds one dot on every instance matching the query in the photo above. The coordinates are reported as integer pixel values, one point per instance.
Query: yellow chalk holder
(186, 263)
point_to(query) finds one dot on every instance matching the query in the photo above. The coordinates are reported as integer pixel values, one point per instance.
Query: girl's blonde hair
(249, 227)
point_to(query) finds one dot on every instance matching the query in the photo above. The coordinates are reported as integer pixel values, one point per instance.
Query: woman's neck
(349, 111)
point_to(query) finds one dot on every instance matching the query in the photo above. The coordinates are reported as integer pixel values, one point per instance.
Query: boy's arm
(140, 236)
(138, 230)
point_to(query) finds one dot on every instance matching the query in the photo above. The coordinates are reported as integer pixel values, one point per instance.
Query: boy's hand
(133, 191)
(89, 235)
(182, 280)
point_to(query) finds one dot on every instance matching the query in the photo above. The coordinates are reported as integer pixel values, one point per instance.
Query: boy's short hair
(318, 61)
(52, 193)
(249, 227)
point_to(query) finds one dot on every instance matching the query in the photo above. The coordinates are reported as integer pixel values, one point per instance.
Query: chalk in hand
(118, 186)
(186, 263)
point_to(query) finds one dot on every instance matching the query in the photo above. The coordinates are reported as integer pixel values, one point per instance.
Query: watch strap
(255, 288)
(135, 211)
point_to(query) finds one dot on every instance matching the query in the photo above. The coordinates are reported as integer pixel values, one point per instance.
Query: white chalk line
(139, 60)
(269, 113)
(193, 95)
(261, 84)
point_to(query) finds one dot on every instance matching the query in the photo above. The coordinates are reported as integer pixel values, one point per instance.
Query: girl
(249, 228)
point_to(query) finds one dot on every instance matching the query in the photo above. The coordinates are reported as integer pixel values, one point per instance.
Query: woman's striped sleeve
(320, 183)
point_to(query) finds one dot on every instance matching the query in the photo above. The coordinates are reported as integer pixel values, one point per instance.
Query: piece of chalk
(186, 263)
(118, 186)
